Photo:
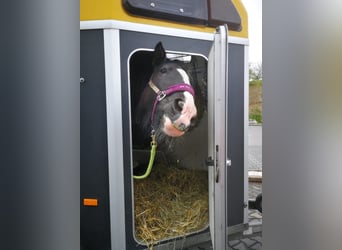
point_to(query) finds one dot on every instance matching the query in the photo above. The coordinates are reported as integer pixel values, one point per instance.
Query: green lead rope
(152, 155)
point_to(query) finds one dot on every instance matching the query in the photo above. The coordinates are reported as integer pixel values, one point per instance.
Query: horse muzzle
(173, 129)
(181, 127)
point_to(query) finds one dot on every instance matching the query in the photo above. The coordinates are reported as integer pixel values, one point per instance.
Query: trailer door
(217, 140)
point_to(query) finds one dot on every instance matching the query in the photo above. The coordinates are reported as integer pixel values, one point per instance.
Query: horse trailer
(118, 41)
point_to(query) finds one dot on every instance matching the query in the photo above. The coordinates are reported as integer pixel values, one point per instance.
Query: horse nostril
(179, 104)
(182, 127)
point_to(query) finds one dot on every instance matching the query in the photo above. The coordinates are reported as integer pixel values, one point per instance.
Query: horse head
(167, 103)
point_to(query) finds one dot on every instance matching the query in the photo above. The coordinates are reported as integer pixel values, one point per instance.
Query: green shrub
(255, 83)
(255, 114)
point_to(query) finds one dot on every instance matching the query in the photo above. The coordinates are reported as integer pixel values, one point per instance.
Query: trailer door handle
(209, 161)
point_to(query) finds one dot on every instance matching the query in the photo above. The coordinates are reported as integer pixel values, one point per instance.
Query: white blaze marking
(184, 76)
(189, 106)
(189, 110)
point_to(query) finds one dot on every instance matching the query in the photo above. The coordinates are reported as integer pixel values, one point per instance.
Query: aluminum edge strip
(221, 107)
(146, 28)
(114, 135)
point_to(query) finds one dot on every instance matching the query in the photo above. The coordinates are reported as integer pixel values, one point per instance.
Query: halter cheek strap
(161, 94)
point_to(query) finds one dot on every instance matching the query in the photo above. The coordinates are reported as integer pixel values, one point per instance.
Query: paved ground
(255, 148)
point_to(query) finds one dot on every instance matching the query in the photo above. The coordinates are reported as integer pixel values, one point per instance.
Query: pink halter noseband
(161, 94)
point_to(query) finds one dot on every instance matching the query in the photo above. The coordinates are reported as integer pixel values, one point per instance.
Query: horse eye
(179, 104)
(163, 70)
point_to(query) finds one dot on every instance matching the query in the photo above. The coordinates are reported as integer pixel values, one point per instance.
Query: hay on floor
(171, 202)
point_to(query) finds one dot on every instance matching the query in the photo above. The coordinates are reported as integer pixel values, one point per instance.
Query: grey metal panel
(95, 221)
(212, 13)
(246, 119)
(193, 11)
(236, 134)
(222, 12)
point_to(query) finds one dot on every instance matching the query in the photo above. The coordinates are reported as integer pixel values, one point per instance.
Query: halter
(161, 94)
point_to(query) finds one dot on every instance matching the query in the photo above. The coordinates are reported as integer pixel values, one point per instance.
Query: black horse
(169, 103)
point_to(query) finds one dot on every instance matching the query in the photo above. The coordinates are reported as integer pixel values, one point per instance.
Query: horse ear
(159, 55)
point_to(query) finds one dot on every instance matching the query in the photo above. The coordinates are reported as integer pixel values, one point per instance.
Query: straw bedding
(171, 202)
